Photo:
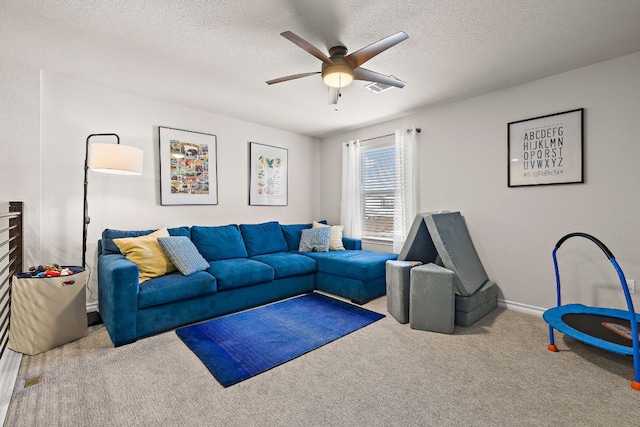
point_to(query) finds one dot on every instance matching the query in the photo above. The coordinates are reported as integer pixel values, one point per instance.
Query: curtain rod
(377, 137)
(385, 136)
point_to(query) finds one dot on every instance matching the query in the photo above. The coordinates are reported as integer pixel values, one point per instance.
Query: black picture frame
(546, 150)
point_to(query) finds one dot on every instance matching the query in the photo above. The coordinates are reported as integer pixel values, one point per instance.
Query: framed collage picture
(188, 167)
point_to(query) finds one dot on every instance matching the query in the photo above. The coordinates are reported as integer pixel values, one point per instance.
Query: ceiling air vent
(378, 87)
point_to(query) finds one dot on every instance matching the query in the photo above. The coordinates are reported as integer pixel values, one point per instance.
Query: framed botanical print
(268, 175)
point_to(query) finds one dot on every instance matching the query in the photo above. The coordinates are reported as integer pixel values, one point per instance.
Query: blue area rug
(241, 345)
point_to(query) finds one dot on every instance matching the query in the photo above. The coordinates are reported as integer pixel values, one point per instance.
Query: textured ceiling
(216, 55)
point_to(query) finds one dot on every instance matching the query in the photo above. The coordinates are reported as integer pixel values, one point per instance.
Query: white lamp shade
(116, 159)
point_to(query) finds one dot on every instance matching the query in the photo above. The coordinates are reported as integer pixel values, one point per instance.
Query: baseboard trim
(92, 306)
(9, 366)
(512, 305)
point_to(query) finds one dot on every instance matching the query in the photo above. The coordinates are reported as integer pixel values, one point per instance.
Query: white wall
(20, 173)
(463, 166)
(19, 170)
(72, 110)
(462, 160)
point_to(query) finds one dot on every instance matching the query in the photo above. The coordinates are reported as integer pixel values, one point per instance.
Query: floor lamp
(107, 158)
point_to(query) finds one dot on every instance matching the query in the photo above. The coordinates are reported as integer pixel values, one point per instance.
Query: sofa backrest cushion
(292, 234)
(265, 238)
(219, 242)
(109, 248)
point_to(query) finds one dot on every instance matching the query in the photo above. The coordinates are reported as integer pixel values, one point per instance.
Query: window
(377, 188)
(380, 187)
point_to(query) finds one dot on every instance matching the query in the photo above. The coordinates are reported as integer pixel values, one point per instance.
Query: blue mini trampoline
(606, 328)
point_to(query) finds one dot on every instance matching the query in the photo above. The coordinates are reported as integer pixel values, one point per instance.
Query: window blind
(377, 182)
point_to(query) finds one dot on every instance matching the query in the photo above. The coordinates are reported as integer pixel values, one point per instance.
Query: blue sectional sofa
(249, 265)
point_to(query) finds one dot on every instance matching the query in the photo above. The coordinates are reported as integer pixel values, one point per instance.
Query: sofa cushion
(147, 254)
(287, 264)
(315, 240)
(183, 254)
(218, 243)
(359, 265)
(175, 287)
(236, 273)
(292, 234)
(265, 238)
(108, 247)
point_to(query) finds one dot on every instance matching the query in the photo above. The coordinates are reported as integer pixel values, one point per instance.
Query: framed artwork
(546, 150)
(268, 175)
(188, 167)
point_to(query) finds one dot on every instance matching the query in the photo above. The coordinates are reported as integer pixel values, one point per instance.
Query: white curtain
(406, 189)
(350, 212)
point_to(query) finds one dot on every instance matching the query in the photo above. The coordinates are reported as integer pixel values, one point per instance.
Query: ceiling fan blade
(293, 77)
(334, 95)
(307, 46)
(361, 56)
(372, 76)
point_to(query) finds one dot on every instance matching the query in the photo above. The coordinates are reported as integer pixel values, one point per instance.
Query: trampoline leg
(552, 344)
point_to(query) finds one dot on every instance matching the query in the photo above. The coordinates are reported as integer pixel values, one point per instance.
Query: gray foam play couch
(443, 238)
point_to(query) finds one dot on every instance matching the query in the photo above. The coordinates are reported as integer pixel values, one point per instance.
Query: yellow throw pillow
(335, 237)
(147, 254)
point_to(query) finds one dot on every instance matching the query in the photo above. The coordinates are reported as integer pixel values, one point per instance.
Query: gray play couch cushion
(419, 246)
(453, 243)
(442, 238)
(472, 308)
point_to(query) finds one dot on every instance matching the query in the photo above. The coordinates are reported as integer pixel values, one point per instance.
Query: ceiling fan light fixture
(337, 75)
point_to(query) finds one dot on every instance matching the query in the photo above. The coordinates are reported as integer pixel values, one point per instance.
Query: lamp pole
(85, 213)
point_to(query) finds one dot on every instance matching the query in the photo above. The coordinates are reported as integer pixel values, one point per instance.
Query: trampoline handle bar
(590, 237)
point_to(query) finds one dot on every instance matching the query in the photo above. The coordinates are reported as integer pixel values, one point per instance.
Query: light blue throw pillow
(183, 254)
(315, 240)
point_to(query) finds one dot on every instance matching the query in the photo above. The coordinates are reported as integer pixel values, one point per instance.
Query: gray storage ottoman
(398, 286)
(432, 305)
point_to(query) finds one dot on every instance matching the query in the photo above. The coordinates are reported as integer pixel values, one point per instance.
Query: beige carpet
(497, 372)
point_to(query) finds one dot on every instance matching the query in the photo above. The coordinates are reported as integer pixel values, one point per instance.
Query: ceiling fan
(340, 69)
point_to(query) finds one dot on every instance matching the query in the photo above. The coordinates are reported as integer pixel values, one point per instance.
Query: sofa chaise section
(358, 275)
